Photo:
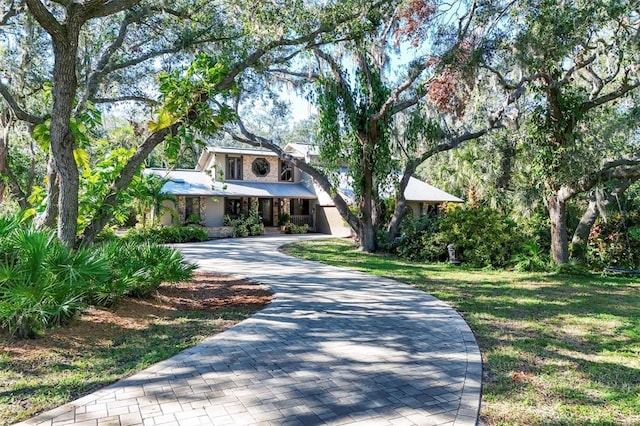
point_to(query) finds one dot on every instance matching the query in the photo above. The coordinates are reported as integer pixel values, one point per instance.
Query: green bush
(138, 269)
(283, 219)
(246, 225)
(615, 242)
(530, 258)
(42, 283)
(419, 240)
(167, 234)
(292, 228)
(482, 237)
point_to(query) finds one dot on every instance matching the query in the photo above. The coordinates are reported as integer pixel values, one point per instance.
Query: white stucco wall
(166, 219)
(214, 211)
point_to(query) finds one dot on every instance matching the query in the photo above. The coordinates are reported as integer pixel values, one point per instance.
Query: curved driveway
(334, 347)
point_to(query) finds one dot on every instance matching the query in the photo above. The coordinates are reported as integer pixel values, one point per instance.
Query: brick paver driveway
(335, 347)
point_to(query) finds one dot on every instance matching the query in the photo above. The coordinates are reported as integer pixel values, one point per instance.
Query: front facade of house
(227, 181)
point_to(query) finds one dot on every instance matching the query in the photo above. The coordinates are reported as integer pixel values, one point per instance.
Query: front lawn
(557, 349)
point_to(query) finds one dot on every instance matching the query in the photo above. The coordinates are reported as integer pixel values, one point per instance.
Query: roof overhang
(196, 183)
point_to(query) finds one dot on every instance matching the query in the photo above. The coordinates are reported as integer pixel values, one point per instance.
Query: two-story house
(226, 181)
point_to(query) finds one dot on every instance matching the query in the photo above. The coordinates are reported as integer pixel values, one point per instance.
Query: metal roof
(242, 151)
(196, 183)
(418, 190)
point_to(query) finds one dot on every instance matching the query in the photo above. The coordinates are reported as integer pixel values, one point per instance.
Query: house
(227, 180)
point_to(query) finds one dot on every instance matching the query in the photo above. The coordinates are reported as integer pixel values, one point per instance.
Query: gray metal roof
(196, 183)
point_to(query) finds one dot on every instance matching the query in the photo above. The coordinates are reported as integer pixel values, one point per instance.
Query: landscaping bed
(104, 345)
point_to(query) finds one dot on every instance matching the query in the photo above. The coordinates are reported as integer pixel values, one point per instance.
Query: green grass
(72, 367)
(557, 349)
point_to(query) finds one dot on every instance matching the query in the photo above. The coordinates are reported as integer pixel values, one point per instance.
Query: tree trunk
(559, 240)
(50, 215)
(7, 178)
(393, 229)
(5, 122)
(62, 141)
(588, 218)
(367, 228)
(581, 234)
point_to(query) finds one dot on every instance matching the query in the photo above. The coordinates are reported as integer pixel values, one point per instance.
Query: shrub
(283, 219)
(292, 228)
(139, 269)
(42, 283)
(615, 242)
(530, 258)
(167, 234)
(482, 235)
(246, 225)
(419, 239)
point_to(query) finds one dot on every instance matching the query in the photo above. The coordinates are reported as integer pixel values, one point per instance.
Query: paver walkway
(334, 347)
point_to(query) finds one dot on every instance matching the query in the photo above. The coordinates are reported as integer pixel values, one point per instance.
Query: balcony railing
(301, 220)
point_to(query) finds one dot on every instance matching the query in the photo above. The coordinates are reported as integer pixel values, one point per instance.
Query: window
(286, 172)
(234, 168)
(192, 209)
(299, 207)
(233, 207)
(260, 167)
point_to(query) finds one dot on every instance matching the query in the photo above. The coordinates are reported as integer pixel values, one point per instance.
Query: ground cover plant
(557, 349)
(105, 344)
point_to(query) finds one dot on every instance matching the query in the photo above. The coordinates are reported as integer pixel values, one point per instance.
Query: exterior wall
(220, 160)
(167, 219)
(329, 221)
(214, 211)
(416, 208)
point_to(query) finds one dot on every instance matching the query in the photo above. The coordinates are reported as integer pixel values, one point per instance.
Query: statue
(453, 259)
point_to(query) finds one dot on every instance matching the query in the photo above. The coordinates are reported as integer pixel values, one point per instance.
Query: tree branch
(9, 13)
(44, 17)
(20, 113)
(126, 98)
(618, 93)
(623, 168)
(101, 8)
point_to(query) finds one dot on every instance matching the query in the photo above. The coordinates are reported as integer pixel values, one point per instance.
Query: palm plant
(42, 283)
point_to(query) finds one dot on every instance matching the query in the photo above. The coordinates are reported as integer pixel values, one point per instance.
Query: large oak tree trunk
(557, 208)
(366, 230)
(62, 141)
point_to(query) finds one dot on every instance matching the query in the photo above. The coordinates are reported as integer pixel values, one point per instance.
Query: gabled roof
(197, 183)
(302, 149)
(418, 190)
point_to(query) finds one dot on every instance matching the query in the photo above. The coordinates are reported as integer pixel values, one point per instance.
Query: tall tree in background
(382, 69)
(575, 59)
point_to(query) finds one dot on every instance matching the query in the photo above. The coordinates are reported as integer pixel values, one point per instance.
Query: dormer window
(286, 172)
(234, 168)
(260, 167)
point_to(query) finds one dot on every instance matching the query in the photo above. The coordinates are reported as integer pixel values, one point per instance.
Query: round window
(260, 167)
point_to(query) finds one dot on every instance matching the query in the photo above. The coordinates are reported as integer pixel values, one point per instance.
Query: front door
(265, 210)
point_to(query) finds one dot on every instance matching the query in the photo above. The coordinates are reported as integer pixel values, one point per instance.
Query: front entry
(265, 210)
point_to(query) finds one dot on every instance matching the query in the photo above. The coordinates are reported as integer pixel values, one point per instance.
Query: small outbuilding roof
(418, 190)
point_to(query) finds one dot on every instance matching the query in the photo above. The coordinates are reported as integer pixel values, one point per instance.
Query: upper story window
(286, 172)
(260, 167)
(234, 168)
